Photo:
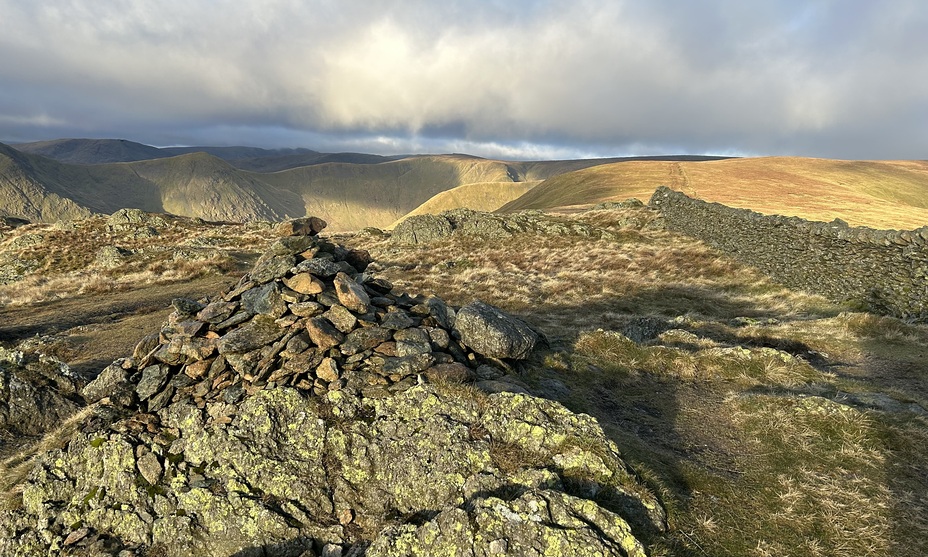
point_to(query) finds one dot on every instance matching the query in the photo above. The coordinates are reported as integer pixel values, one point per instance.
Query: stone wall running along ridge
(886, 270)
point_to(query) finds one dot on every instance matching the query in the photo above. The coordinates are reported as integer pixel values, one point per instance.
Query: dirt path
(90, 331)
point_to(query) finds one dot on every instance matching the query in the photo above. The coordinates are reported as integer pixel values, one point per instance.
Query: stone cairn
(306, 316)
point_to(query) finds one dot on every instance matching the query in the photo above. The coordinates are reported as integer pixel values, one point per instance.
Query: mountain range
(74, 178)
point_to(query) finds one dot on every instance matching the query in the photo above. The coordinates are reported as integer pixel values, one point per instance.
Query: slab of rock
(319, 267)
(105, 383)
(351, 294)
(153, 378)
(539, 522)
(491, 332)
(258, 332)
(363, 339)
(323, 333)
(421, 229)
(327, 370)
(305, 283)
(265, 299)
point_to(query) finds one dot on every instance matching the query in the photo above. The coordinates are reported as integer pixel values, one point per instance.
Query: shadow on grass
(654, 419)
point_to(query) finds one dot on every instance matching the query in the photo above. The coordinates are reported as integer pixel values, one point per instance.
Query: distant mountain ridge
(348, 195)
(104, 151)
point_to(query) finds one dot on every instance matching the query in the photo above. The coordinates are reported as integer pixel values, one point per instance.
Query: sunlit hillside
(880, 194)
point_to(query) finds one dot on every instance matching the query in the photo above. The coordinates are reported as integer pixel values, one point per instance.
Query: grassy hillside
(543, 170)
(482, 196)
(880, 194)
(205, 186)
(350, 197)
(367, 190)
(103, 151)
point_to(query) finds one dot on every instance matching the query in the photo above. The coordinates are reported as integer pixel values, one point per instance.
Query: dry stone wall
(885, 270)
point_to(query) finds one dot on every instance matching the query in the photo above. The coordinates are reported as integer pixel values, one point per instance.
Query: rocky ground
(349, 396)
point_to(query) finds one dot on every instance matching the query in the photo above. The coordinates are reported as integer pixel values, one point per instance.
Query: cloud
(824, 78)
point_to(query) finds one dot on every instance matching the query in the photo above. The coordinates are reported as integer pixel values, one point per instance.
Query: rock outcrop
(37, 392)
(314, 410)
(422, 229)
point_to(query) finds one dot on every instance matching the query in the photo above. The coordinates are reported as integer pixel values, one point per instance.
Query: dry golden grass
(566, 282)
(65, 261)
(880, 194)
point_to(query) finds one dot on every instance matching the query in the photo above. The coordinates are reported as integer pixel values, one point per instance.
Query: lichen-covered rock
(493, 333)
(110, 257)
(539, 523)
(421, 229)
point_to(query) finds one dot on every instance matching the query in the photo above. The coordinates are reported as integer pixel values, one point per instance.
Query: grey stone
(420, 229)
(306, 309)
(491, 332)
(153, 378)
(258, 332)
(150, 468)
(265, 299)
(407, 365)
(397, 319)
(186, 306)
(217, 312)
(343, 319)
(110, 257)
(104, 384)
(270, 267)
(318, 266)
(363, 339)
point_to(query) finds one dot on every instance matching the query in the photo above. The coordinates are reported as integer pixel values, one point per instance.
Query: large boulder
(537, 523)
(421, 229)
(491, 332)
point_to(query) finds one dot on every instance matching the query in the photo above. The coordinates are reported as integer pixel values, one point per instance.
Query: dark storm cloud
(505, 78)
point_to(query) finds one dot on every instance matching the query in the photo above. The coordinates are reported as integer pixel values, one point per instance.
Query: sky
(516, 79)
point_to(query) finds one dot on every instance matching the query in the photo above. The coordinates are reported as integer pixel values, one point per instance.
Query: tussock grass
(571, 282)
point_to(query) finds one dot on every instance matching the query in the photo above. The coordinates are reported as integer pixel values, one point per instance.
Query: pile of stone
(307, 316)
